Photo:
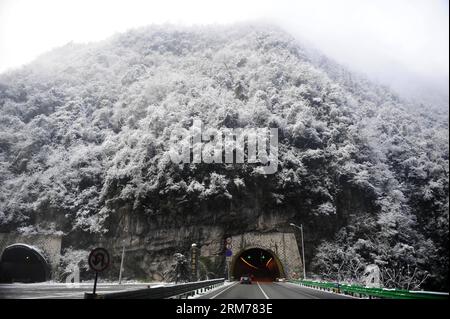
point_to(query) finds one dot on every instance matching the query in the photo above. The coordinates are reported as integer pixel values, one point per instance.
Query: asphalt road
(60, 291)
(257, 290)
(269, 290)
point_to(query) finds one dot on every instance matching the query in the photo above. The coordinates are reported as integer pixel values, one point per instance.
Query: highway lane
(257, 290)
(61, 290)
(270, 290)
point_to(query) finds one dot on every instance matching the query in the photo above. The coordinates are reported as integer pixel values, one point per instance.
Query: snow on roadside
(86, 283)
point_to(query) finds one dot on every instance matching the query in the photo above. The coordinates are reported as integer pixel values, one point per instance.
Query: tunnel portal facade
(23, 263)
(28, 258)
(265, 257)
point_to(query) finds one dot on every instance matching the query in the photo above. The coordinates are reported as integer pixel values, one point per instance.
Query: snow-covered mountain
(83, 151)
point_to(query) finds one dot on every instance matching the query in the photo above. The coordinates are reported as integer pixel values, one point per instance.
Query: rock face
(84, 153)
(151, 242)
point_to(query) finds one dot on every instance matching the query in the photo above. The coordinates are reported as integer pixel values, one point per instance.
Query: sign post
(121, 262)
(228, 256)
(98, 261)
(194, 262)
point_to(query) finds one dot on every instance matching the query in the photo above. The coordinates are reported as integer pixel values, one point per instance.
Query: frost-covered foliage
(73, 260)
(179, 270)
(86, 126)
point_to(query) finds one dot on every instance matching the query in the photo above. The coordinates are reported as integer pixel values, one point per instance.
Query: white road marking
(325, 291)
(299, 291)
(265, 295)
(232, 285)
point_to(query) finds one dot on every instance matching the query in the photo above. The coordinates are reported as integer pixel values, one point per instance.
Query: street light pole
(303, 254)
(303, 248)
(121, 262)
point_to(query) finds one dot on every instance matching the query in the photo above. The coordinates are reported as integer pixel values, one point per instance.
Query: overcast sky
(396, 41)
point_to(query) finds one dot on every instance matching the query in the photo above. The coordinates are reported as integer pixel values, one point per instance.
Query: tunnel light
(247, 263)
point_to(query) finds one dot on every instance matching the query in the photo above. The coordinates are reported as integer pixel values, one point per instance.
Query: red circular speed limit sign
(99, 259)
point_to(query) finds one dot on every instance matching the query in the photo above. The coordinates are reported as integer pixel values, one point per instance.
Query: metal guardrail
(360, 291)
(160, 292)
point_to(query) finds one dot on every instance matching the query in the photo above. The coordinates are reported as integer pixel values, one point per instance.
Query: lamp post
(121, 262)
(303, 248)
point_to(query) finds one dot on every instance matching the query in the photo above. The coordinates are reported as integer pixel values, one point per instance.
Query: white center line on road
(232, 285)
(265, 295)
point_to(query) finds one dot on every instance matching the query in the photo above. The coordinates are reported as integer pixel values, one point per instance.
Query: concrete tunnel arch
(260, 263)
(23, 263)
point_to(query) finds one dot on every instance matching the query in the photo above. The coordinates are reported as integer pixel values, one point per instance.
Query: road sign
(99, 259)
(228, 240)
(228, 253)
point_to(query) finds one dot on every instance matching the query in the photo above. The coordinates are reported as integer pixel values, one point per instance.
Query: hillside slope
(83, 151)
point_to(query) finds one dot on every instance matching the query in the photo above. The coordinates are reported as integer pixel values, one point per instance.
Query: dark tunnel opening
(259, 264)
(22, 263)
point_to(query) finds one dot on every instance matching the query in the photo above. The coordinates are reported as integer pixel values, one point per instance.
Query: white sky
(393, 40)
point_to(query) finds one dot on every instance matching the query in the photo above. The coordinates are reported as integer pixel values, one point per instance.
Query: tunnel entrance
(23, 263)
(260, 264)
